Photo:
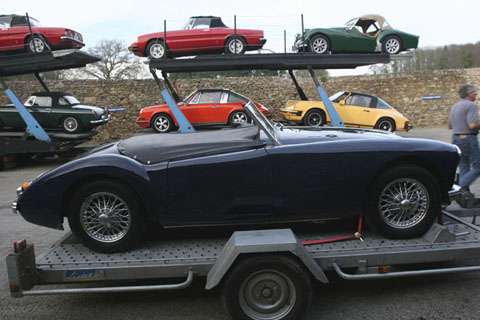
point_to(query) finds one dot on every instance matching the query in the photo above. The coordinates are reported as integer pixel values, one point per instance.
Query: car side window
(235, 97)
(362, 101)
(382, 104)
(43, 101)
(210, 97)
(196, 98)
(201, 24)
(62, 101)
(342, 97)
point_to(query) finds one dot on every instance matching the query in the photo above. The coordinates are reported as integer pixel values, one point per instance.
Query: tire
(392, 45)
(39, 42)
(314, 118)
(403, 202)
(71, 124)
(235, 46)
(162, 123)
(238, 117)
(156, 50)
(95, 225)
(319, 44)
(385, 124)
(267, 287)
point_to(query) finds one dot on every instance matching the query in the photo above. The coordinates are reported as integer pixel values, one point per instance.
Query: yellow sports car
(358, 110)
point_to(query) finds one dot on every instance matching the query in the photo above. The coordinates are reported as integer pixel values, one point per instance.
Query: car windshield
(261, 121)
(72, 100)
(350, 24)
(336, 96)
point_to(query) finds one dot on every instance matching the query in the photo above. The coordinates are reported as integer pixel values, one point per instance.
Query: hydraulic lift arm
(183, 123)
(33, 126)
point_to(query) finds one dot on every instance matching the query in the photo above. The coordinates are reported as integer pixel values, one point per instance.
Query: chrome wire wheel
(392, 46)
(235, 46)
(161, 123)
(319, 45)
(156, 50)
(70, 124)
(239, 117)
(267, 294)
(404, 203)
(105, 217)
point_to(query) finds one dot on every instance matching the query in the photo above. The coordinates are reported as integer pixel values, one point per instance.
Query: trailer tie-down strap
(356, 235)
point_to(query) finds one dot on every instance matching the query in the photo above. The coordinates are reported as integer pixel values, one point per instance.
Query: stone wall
(403, 91)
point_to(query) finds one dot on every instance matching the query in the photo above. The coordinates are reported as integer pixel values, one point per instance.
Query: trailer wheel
(71, 124)
(403, 202)
(106, 216)
(265, 287)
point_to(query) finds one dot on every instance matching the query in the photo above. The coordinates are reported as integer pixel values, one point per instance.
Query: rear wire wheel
(106, 216)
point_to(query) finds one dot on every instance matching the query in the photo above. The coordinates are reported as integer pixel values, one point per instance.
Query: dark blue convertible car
(262, 173)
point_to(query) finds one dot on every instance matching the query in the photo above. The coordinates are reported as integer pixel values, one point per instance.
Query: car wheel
(238, 117)
(320, 44)
(37, 44)
(392, 45)
(314, 118)
(71, 125)
(162, 123)
(156, 50)
(106, 216)
(235, 45)
(403, 202)
(267, 287)
(385, 125)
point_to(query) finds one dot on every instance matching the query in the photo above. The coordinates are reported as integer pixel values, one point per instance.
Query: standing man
(465, 124)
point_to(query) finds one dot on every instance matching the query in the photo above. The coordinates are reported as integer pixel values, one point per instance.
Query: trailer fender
(261, 241)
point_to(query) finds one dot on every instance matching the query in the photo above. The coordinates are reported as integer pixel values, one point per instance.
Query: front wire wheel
(403, 202)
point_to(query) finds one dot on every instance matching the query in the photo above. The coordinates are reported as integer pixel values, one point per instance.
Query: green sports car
(55, 110)
(368, 33)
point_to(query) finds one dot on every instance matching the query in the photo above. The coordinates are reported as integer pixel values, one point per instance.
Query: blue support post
(335, 119)
(183, 123)
(33, 126)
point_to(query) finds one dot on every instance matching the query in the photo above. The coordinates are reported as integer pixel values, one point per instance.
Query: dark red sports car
(202, 107)
(15, 36)
(202, 34)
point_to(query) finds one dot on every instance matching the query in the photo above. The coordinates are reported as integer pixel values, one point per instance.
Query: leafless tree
(117, 62)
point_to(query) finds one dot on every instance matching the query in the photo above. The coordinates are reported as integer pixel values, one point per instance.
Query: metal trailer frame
(35, 139)
(373, 257)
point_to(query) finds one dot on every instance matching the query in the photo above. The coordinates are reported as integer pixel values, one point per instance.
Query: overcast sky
(437, 23)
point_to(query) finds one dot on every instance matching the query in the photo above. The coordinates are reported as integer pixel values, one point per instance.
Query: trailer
(35, 141)
(263, 274)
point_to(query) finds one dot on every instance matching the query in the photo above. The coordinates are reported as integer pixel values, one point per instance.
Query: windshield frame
(261, 121)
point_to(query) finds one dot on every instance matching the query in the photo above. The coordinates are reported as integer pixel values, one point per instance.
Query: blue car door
(220, 189)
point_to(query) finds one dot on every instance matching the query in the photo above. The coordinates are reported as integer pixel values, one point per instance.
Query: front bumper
(105, 119)
(455, 192)
(408, 127)
(291, 115)
(15, 203)
(70, 39)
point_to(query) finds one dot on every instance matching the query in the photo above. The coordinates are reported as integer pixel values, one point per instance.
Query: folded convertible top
(150, 149)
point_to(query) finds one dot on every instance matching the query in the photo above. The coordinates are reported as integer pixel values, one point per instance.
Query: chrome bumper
(455, 192)
(102, 120)
(72, 40)
(14, 203)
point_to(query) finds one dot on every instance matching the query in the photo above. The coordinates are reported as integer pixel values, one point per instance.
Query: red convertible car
(202, 107)
(15, 36)
(202, 34)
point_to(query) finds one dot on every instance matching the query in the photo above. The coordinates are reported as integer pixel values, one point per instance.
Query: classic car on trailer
(358, 110)
(368, 33)
(202, 107)
(55, 110)
(201, 35)
(15, 35)
(244, 176)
